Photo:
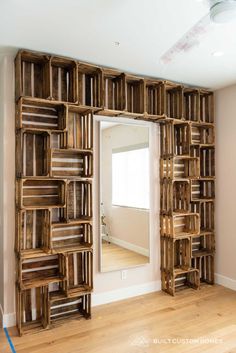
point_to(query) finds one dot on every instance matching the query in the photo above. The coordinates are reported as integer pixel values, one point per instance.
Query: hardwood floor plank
(133, 325)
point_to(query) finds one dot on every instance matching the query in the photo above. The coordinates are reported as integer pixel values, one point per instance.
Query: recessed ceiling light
(217, 53)
(117, 44)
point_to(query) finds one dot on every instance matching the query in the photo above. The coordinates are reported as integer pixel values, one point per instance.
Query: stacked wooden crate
(54, 170)
(56, 99)
(187, 176)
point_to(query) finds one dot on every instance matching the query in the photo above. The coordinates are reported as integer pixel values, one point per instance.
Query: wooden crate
(79, 269)
(175, 254)
(114, 90)
(154, 99)
(40, 115)
(37, 271)
(90, 85)
(195, 151)
(175, 196)
(32, 153)
(202, 189)
(207, 212)
(63, 308)
(173, 100)
(63, 81)
(205, 265)
(180, 225)
(202, 134)
(191, 104)
(207, 162)
(32, 75)
(40, 193)
(203, 244)
(69, 163)
(134, 88)
(79, 201)
(69, 237)
(180, 279)
(79, 133)
(206, 106)
(175, 139)
(32, 309)
(179, 168)
(32, 233)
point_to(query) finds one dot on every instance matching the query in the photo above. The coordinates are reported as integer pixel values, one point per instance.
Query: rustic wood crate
(182, 254)
(203, 244)
(32, 309)
(79, 133)
(79, 270)
(71, 163)
(79, 200)
(202, 189)
(33, 230)
(205, 265)
(206, 106)
(57, 215)
(175, 139)
(179, 167)
(175, 254)
(69, 237)
(202, 134)
(134, 94)
(191, 104)
(63, 308)
(90, 85)
(173, 100)
(175, 196)
(195, 151)
(32, 75)
(180, 279)
(32, 153)
(36, 271)
(40, 115)
(114, 90)
(207, 212)
(180, 225)
(207, 162)
(154, 99)
(63, 81)
(40, 193)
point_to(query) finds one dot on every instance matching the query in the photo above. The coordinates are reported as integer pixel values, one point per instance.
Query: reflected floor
(115, 257)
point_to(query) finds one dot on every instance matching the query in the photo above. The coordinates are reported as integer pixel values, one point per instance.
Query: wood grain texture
(56, 98)
(207, 313)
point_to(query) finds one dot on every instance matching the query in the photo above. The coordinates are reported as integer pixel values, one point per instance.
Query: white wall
(225, 104)
(7, 187)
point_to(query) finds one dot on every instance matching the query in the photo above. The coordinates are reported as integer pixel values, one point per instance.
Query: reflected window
(130, 177)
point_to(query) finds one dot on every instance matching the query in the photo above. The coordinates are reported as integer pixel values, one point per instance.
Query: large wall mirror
(124, 195)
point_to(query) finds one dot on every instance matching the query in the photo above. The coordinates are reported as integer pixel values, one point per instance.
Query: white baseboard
(125, 293)
(225, 281)
(7, 320)
(126, 245)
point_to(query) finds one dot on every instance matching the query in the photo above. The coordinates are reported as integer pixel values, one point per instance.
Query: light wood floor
(119, 327)
(115, 257)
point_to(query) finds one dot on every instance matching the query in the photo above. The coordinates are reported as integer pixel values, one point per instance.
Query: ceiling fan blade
(189, 40)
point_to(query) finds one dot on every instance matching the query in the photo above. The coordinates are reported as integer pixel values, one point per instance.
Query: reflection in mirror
(124, 195)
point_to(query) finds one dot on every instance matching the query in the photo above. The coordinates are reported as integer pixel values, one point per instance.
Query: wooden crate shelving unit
(56, 98)
(187, 178)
